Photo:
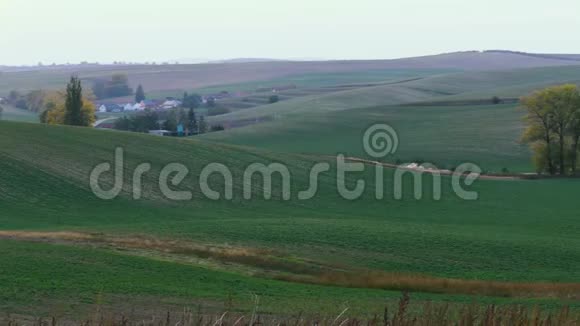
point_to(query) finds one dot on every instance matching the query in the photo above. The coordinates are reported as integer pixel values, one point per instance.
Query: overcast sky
(158, 30)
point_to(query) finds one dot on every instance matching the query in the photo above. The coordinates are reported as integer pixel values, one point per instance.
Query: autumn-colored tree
(55, 109)
(550, 118)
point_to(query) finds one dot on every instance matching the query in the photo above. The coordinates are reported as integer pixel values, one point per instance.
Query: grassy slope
(13, 114)
(69, 276)
(451, 86)
(446, 136)
(487, 135)
(506, 83)
(509, 231)
(338, 101)
(325, 79)
(46, 279)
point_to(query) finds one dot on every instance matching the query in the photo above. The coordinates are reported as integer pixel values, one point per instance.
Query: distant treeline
(493, 100)
(35, 100)
(176, 121)
(117, 86)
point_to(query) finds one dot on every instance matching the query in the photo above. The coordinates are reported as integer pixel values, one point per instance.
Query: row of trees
(69, 107)
(553, 128)
(168, 120)
(31, 101)
(139, 122)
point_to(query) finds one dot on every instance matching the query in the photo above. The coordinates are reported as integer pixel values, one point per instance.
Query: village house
(109, 107)
(170, 104)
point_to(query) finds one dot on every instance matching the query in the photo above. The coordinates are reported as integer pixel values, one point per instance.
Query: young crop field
(446, 136)
(61, 243)
(63, 249)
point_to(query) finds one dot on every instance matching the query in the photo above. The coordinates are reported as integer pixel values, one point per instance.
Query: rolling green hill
(513, 228)
(446, 134)
(11, 113)
(443, 135)
(504, 83)
(389, 94)
(472, 85)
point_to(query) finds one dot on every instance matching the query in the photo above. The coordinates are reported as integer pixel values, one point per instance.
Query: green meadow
(63, 249)
(446, 136)
(514, 227)
(13, 114)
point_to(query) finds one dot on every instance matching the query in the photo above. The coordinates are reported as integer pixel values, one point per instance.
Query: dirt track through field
(269, 264)
(433, 171)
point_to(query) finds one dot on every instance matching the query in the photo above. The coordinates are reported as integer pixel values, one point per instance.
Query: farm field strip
(277, 265)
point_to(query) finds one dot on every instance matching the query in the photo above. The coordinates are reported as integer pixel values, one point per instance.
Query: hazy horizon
(67, 31)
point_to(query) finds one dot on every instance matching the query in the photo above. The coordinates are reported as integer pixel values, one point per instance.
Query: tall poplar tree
(73, 102)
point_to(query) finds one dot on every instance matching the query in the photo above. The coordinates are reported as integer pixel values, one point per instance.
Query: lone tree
(191, 121)
(139, 94)
(191, 101)
(73, 102)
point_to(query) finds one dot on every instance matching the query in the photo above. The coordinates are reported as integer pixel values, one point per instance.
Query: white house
(128, 107)
(102, 108)
(170, 104)
(139, 106)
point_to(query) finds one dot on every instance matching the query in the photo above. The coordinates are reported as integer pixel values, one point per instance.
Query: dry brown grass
(423, 283)
(404, 314)
(270, 263)
(263, 259)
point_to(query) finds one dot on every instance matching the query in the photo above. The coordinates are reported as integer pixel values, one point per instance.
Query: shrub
(217, 128)
(274, 99)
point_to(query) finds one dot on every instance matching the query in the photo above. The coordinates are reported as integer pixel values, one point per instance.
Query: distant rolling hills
(297, 124)
(189, 77)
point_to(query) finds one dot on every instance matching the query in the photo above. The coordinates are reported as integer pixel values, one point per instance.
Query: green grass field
(515, 227)
(63, 249)
(446, 136)
(459, 86)
(13, 114)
